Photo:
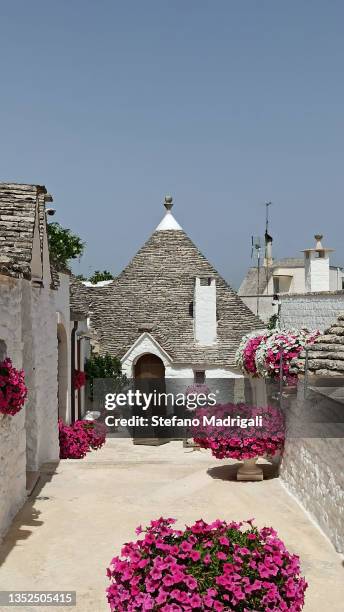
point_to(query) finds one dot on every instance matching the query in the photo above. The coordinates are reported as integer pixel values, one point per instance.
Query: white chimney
(268, 260)
(205, 322)
(317, 267)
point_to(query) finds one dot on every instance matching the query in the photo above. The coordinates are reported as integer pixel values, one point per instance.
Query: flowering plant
(96, 433)
(80, 438)
(79, 379)
(262, 353)
(279, 349)
(261, 431)
(218, 566)
(13, 391)
(246, 353)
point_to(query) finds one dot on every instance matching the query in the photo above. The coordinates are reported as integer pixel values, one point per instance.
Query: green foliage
(80, 277)
(105, 366)
(273, 322)
(98, 276)
(63, 245)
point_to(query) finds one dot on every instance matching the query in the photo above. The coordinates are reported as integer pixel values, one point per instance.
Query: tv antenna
(255, 249)
(267, 205)
(268, 240)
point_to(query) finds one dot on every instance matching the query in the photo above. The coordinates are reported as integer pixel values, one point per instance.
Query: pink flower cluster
(279, 350)
(236, 442)
(80, 438)
(79, 379)
(263, 353)
(13, 391)
(218, 566)
(249, 354)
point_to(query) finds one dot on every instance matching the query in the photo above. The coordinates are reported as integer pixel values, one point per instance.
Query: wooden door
(150, 366)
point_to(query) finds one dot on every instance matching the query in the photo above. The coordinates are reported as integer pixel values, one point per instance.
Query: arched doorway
(62, 373)
(149, 374)
(149, 366)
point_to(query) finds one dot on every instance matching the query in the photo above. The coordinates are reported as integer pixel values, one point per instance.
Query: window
(199, 377)
(320, 254)
(191, 309)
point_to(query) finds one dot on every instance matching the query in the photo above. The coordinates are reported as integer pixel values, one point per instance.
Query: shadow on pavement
(229, 472)
(28, 516)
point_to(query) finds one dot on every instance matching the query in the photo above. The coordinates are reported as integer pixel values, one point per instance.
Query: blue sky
(224, 104)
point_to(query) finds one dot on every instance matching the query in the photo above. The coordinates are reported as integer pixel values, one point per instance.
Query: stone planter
(249, 470)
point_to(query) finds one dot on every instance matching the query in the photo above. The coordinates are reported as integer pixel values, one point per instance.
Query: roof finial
(318, 238)
(168, 202)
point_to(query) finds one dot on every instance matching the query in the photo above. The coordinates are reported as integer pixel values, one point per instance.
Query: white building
(35, 333)
(290, 277)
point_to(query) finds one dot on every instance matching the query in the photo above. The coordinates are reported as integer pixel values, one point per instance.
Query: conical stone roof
(154, 293)
(326, 355)
(19, 205)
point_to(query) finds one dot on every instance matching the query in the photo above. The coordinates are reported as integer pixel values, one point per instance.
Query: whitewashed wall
(62, 307)
(317, 272)
(30, 438)
(311, 310)
(228, 384)
(336, 278)
(45, 355)
(297, 279)
(205, 323)
(12, 429)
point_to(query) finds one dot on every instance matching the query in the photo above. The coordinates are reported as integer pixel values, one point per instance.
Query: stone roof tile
(326, 355)
(18, 206)
(79, 297)
(156, 289)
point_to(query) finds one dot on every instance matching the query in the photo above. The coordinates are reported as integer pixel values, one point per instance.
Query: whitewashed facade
(289, 278)
(35, 333)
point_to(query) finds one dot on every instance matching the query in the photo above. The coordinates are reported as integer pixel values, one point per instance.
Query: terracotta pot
(249, 470)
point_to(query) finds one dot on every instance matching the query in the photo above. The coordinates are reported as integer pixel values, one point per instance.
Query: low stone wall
(312, 467)
(311, 310)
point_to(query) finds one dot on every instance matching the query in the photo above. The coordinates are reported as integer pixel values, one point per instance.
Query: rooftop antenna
(267, 204)
(268, 240)
(256, 247)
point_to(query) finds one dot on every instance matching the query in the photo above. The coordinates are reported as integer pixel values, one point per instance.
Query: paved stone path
(83, 511)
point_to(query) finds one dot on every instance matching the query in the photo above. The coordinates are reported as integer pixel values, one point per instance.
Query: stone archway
(62, 372)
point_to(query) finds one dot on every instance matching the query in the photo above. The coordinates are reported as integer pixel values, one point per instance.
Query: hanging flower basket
(263, 354)
(79, 379)
(245, 357)
(13, 391)
(218, 566)
(279, 350)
